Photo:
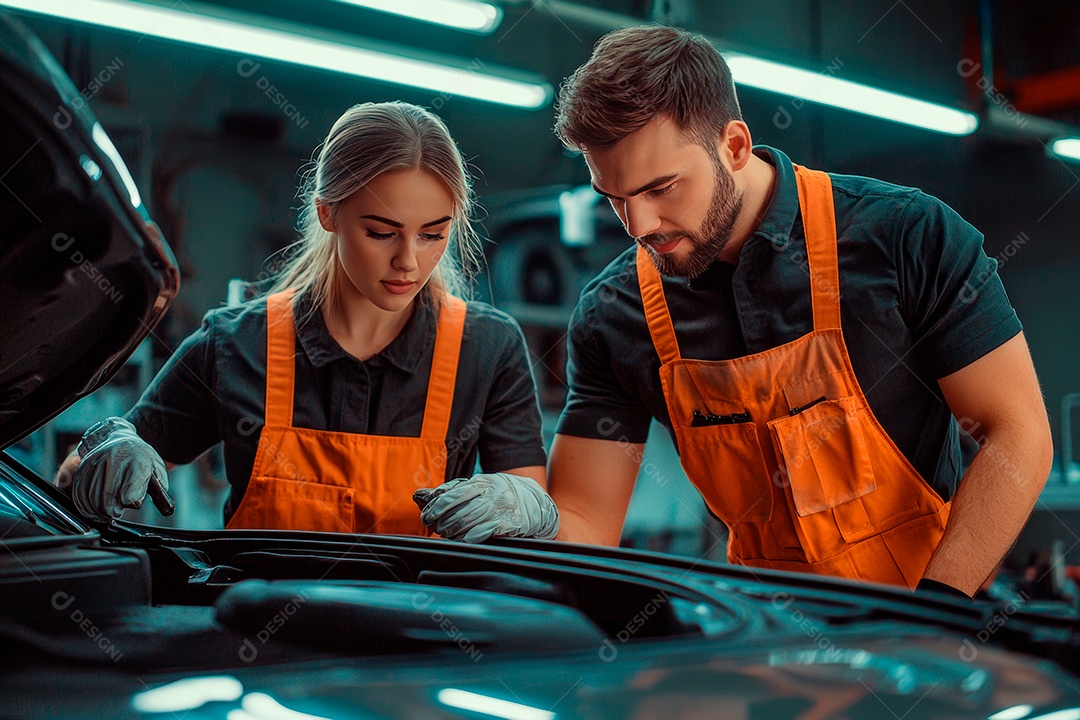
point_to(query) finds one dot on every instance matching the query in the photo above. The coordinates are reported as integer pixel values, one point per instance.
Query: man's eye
(379, 236)
(664, 190)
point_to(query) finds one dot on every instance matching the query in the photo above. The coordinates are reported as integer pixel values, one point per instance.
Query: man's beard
(715, 233)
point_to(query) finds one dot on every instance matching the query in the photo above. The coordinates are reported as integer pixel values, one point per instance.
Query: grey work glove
(116, 469)
(489, 505)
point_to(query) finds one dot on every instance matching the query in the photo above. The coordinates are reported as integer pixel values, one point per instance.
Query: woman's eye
(379, 236)
(432, 238)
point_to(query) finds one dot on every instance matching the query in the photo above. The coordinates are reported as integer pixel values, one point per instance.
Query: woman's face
(390, 236)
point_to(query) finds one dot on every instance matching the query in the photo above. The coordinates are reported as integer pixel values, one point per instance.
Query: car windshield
(25, 512)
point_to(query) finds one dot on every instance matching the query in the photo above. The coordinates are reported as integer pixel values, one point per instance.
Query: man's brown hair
(638, 74)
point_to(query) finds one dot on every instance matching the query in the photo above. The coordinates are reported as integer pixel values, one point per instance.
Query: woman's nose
(405, 257)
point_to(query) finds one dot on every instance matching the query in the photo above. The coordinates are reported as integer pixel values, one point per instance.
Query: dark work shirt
(213, 389)
(919, 300)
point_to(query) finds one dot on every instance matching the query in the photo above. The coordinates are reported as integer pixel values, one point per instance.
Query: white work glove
(116, 469)
(489, 505)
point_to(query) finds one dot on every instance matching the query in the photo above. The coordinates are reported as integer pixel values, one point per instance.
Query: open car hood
(84, 273)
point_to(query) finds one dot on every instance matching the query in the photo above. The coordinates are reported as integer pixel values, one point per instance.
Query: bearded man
(809, 340)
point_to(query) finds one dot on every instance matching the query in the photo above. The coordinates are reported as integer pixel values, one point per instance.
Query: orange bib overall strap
(306, 479)
(783, 445)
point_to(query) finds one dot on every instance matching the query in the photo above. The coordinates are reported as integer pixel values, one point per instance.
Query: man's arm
(533, 472)
(591, 482)
(998, 401)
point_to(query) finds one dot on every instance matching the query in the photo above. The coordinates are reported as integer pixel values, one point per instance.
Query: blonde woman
(362, 376)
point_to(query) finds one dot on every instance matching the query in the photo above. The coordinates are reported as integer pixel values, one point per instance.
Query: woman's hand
(116, 471)
(489, 505)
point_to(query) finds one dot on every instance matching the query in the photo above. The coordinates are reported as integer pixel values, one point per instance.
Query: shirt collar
(783, 207)
(405, 351)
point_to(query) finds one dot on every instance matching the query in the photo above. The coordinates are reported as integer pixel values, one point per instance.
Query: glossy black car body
(98, 620)
(124, 620)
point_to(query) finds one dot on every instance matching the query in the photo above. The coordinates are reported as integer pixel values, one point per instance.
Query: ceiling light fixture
(1068, 148)
(829, 90)
(190, 23)
(487, 705)
(469, 15)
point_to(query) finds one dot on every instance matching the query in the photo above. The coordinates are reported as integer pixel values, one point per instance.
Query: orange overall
(783, 446)
(306, 479)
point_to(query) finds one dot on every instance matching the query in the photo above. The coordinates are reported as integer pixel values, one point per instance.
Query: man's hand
(926, 585)
(116, 470)
(489, 505)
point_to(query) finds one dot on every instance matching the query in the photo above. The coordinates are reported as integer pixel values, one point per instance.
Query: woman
(361, 377)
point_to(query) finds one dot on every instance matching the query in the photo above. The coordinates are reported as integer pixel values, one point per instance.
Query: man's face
(678, 201)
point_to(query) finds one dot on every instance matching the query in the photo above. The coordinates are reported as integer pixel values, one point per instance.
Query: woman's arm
(175, 417)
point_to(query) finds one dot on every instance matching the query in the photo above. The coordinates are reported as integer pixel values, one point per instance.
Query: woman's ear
(326, 216)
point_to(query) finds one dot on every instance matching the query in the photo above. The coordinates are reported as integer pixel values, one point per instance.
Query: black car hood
(164, 623)
(84, 273)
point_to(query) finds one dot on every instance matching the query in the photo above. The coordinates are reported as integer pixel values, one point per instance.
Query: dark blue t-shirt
(919, 300)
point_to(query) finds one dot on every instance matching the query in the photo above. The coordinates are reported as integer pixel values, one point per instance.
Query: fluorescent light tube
(828, 90)
(1066, 148)
(469, 15)
(485, 705)
(205, 30)
(182, 696)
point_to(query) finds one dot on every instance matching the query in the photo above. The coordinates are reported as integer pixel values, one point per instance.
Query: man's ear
(326, 216)
(736, 144)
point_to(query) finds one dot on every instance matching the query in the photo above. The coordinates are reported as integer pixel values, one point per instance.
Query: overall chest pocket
(824, 459)
(272, 502)
(725, 463)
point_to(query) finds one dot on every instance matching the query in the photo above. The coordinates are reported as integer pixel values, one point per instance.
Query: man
(807, 339)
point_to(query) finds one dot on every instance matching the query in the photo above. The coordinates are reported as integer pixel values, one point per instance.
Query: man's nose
(640, 218)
